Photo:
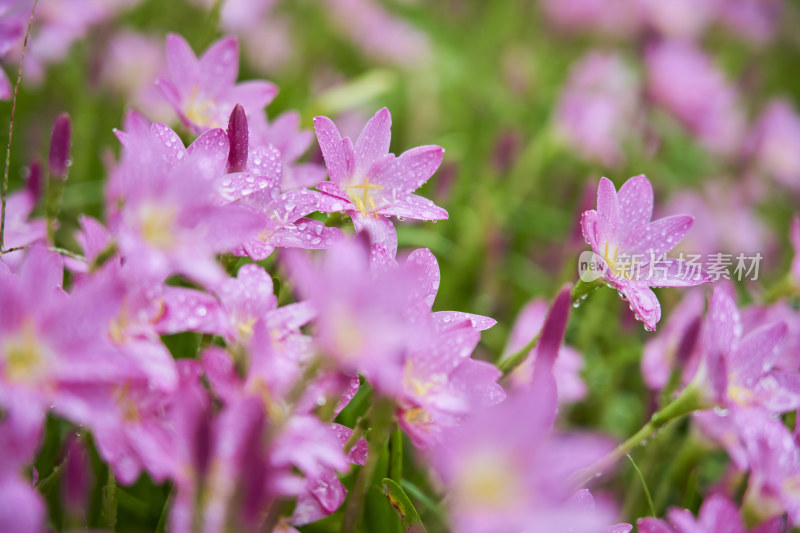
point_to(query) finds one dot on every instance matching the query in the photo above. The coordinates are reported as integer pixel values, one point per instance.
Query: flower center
(157, 226)
(489, 479)
(200, 110)
(130, 413)
(24, 357)
(361, 196)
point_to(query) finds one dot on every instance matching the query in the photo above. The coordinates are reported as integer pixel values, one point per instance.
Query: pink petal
(330, 142)
(382, 238)
(658, 237)
(589, 229)
(409, 171)
(674, 273)
(429, 274)
(607, 212)
(219, 66)
(314, 236)
(173, 147)
(254, 96)
(373, 142)
(652, 525)
(643, 302)
(5, 86)
(635, 199)
(182, 64)
(415, 207)
(757, 352)
(447, 319)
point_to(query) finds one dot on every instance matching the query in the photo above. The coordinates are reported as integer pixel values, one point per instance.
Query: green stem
(583, 288)
(644, 486)
(381, 420)
(688, 401)
(785, 287)
(46, 485)
(507, 365)
(53, 195)
(396, 456)
(109, 514)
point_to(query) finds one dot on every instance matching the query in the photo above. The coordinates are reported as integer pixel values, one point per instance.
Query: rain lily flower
(172, 220)
(740, 368)
(774, 462)
(442, 384)
(717, 515)
(598, 106)
(371, 183)
(204, 91)
(501, 475)
(633, 248)
(772, 140)
(365, 318)
(682, 78)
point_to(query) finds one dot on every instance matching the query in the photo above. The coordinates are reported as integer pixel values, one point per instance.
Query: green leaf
(405, 509)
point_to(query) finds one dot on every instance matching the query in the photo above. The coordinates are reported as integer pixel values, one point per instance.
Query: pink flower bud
(238, 139)
(59, 147)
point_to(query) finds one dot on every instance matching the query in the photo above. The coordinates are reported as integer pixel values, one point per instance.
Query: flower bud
(59, 147)
(238, 140)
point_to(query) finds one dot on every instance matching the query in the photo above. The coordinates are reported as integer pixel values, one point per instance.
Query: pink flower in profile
(740, 368)
(597, 109)
(718, 514)
(370, 183)
(633, 249)
(204, 91)
(568, 363)
(773, 143)
(683, 79)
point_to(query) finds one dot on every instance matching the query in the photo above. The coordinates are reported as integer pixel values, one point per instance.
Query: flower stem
(688, 401)
(381, 421)
(507, 365)
(110, 503)
(582, 288)
(396, 456)
(4, 190)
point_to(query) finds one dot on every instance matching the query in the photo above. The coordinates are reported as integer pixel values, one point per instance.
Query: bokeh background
(533, 102)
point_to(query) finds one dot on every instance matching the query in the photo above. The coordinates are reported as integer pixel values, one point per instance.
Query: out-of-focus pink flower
(683, 79)
(755, 20)
(774, 140)
(597, 110)
(203, 90)
(165, 202)
(568, 364)
(725, 221)
(774, 462)
(22, 509)
(504, 475)
(362, 320)
(740, 368)
(379, 34)
(132, 62)
(613, 17)
(679, 18)
(621, 233)
(718, 514)
(677, 346)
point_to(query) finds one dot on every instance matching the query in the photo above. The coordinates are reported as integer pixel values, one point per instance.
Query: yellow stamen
(130, 413)
(23, 355)
(365, 203)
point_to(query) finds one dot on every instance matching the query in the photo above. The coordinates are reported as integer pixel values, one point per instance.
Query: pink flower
(504, 475)
(740, 368)
(772, 142)
(598, 107)
(177, 210)
(753, 20)
(615, 17)
(621, 233)
(717, 515)
(682, 78)
(371, 183)
(204, 91)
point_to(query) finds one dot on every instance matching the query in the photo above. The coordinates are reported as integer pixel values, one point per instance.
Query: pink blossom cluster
(222, 230)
